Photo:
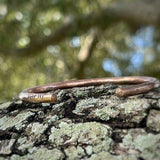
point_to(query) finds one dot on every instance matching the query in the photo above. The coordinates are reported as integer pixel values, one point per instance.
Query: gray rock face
(6, 146)
(153, 120)
(86, 123)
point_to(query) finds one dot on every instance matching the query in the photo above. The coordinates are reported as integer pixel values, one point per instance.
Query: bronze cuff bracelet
(139, 85)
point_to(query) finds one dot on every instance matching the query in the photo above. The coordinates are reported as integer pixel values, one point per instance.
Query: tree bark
(86, 123)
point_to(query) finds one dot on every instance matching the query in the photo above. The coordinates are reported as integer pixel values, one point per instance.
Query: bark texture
(86, 123)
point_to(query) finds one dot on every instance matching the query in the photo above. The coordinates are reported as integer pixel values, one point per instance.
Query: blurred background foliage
(54, 40)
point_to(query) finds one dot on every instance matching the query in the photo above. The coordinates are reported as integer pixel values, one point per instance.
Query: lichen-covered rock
(41, 154)
(5, 105)
(83, 136)
(107, 156)
(6, 146)
(73, 152)
(135, 109)
(36, 128)
(147, 144)
(109, 108)
(153, 120)
(23, 144)
(90, 133)
(17, 121)
(86, 123)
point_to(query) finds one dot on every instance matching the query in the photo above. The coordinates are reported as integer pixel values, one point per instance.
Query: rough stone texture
(153, 120)
(6, 146)
(5, 105)
(17, 121)
(86, 123)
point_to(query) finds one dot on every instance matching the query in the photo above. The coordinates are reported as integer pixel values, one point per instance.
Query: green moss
(9, 122)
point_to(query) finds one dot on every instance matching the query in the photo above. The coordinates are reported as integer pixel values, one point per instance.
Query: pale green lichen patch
(59, 108)
(86, 104)
(89, 149)
(133, 105)
(103, 145)
(153, 120)
(146, 141)
(90, 133)
(36, 128)
(45, 104)
(99, 109)
(82, 92)
(5, 105)
(135, 109)
(147, 144)
(41, 154)
(17, 121)
(44, 153)
(107, 156)
(113, 107)
(24, 143)
(35, 134)
(105, 113)
(50, 119)
(6, 146)
(73, 152)
(18, 102)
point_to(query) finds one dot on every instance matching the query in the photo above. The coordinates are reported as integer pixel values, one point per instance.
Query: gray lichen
(24, 144)
(74, 152)
(108, 156)
(153, 120)
(147, 144)
(17, 121)
(86, 123)
(40, 154)
(6, 146)
(5, 105)
(90, 133)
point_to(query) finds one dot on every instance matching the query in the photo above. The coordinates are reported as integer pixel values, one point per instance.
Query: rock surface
(86, 123)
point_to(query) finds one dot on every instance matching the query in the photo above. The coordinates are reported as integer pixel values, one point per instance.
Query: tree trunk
(86, 123)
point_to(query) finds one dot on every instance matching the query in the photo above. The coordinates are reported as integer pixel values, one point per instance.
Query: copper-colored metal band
(38, 97)
(141, 85)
